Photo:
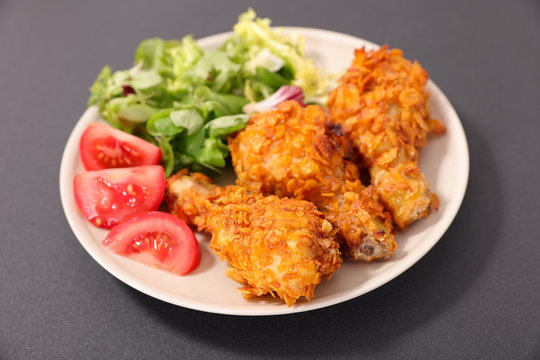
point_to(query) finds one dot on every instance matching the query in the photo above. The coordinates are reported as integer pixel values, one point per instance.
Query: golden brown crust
(297, 152)
(185, 198)
(382, 105)
(282, 247)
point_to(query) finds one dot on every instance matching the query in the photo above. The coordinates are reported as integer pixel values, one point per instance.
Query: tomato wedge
(106, 197)
(103, 147)
(157, 239)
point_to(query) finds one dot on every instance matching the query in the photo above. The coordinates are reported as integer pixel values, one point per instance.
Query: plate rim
(66, 187)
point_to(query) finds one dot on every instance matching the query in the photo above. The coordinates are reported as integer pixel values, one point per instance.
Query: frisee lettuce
(255, 35)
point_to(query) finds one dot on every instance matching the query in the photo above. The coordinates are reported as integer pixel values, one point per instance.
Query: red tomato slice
(106, 197)
(157, 239)
(103, 147)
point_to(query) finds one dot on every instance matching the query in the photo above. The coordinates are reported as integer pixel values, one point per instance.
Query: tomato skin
(102, 146)
(107, 197)
(157, 239)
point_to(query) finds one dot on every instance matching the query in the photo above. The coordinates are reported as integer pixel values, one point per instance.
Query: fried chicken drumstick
(296, 152)
(282, 247)
(382, 105)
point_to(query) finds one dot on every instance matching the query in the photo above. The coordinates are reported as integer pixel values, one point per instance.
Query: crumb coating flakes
(383, 107)
(282, 247)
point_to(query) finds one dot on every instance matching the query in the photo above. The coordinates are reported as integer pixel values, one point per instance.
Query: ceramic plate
(445, 162)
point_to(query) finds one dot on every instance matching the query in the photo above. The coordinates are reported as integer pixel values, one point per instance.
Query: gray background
(475, 295)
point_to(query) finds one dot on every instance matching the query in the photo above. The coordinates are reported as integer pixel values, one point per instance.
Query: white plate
(445, 162)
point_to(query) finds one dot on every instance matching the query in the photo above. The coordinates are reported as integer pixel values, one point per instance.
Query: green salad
(187, 100)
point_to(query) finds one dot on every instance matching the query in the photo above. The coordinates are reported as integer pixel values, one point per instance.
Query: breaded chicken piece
(282, 247)
(296, 152)
(382, 104)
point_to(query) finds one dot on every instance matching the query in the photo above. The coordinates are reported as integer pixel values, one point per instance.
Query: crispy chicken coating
(382, 105)
(282, 247)
(296, 152)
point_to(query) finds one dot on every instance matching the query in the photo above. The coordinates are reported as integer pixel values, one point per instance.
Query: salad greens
(254, 35)
(187, 99)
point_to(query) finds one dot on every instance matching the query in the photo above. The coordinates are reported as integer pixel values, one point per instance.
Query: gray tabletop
(476, 294)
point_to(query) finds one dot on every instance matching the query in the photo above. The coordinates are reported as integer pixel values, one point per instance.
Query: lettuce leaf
(253, 35)
(187, 100)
